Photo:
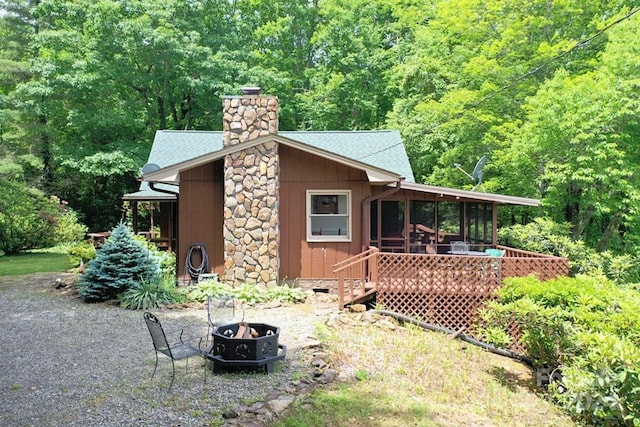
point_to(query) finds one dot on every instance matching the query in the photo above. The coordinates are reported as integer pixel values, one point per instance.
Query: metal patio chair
(220, 310)
(177, 351)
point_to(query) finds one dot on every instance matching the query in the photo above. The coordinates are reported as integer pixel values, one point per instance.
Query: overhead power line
(524, 76)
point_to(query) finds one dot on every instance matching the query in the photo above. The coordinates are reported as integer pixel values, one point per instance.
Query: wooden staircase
(357, 277)
(360, 294)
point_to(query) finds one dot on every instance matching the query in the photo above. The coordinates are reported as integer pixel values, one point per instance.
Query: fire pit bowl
(246, 345)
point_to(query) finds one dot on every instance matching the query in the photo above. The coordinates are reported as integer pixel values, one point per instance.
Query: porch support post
(494, 219)
(366, 213)
(134, 215)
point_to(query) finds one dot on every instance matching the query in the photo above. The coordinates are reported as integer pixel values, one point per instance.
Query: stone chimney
(251, 190)
(249, 116)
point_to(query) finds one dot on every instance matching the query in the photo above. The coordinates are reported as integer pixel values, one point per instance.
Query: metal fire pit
(255, 352)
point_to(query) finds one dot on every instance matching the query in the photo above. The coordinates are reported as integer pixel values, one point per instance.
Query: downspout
(176, 249)
(366, 212)
(162, 190)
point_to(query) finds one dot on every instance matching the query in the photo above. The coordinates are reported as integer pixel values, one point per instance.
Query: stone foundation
(317, 285)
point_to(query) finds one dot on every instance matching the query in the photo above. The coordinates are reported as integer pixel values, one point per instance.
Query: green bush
(544, 329)
(121, 262)
(149, 294)
(250, 293)
(548, 237)
(68, 229)
(285, 293)
(603, 382)
(588, 326)
(84, 251)
(164, 259)
(27, 218)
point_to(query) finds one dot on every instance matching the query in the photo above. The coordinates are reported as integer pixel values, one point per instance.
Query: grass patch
(412, 377)
(362, 404)
(34, 262)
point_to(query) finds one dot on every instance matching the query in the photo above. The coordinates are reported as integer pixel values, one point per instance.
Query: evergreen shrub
(120, 263)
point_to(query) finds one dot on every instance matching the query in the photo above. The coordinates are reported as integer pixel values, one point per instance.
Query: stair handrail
(344, 269)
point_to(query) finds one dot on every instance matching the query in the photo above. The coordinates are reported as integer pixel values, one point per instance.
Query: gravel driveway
(65, 362)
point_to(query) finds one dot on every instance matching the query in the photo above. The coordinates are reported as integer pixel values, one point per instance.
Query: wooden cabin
(268, 206)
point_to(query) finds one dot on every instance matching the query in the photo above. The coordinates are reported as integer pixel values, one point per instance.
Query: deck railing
(445, 290)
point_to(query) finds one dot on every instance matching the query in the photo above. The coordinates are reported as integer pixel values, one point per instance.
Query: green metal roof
(173, 146)
(147, 193)
(383, 149)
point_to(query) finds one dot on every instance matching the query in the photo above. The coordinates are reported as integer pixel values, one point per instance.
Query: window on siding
(328, 215)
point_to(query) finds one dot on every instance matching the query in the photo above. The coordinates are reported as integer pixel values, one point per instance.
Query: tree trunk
(612, 228)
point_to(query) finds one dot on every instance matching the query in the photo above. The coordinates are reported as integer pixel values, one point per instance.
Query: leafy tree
(120, 263)
(97, 182)
(458, 101)
(16, 30)
(349, 85)
(85, 84)
(578, 145)
(279, 38)
(106, 76)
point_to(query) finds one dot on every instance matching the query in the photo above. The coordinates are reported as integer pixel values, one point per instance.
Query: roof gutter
(366, 212)
(162, 190)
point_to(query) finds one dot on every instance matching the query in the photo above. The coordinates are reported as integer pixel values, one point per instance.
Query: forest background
(548, 90)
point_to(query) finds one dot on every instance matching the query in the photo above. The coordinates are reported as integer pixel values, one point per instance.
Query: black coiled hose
(463, 337)
(195, 272)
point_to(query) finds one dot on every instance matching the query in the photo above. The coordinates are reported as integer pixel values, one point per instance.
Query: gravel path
(65, 362)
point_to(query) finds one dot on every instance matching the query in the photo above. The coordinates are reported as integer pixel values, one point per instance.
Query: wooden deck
(445, 290)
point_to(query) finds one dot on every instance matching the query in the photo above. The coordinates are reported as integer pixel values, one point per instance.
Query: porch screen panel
(450, 216)
(392, 226)
(422, 228)
(479, 223)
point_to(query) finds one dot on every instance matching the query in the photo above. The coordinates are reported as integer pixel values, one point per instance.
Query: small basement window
(328, 215)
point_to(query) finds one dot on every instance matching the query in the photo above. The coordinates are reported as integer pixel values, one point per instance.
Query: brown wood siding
(201, 214)
(299, 172)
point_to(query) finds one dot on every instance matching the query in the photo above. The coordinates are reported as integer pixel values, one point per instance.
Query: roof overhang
(148, 197)
(153, 193)
(470, 195)
(171, 174)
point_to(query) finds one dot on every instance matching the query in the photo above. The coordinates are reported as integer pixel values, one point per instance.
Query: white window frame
(314, 233)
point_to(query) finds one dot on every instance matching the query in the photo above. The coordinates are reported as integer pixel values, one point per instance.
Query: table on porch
(470, 253)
